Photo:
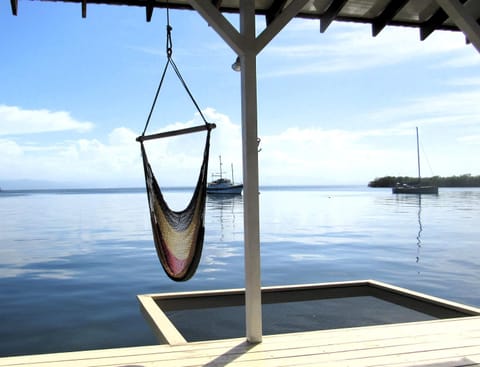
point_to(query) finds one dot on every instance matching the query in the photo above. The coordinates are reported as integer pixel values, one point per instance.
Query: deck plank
(445, 343)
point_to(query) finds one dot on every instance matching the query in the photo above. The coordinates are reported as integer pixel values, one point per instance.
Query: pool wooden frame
(155, 306)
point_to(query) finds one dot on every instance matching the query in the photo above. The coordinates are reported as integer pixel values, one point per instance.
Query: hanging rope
(178, 235)
(170, 62)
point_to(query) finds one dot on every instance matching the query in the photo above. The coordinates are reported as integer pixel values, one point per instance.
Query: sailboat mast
(220, 160)
(418, 156)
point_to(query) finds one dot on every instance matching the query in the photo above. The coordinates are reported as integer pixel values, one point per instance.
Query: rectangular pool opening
(178, 318)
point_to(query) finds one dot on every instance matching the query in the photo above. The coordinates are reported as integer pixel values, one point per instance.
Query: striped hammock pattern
(178, 235)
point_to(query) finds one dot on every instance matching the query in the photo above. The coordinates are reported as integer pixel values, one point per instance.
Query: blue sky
(334, 108)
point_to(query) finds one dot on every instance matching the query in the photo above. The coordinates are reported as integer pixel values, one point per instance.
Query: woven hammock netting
(178, 235)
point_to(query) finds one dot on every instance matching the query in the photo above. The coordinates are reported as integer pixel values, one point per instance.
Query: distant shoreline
(55, 190)
(466, 180)
(382, 182)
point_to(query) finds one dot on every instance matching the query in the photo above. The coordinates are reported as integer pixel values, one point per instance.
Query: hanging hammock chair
(178, 235)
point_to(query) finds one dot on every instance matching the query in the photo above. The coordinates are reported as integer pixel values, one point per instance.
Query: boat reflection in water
(415, 201)
(227, 210)
(420, 228)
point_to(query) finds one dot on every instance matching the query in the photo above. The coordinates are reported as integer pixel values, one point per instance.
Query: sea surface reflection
(72, 263)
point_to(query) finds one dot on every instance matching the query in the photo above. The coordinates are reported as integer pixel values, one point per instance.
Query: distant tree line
(466, 180)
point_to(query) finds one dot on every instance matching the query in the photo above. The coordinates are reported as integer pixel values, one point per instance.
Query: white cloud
(351, 47)
(465, 82)
(320, 156)
(296, 155)
(293, 156)
(178, 159)
(10, 149)
(17, 121)
(451, 108)
(466, 58)
(116, 160)
(69, 160)
(324, 156)
(471, 139)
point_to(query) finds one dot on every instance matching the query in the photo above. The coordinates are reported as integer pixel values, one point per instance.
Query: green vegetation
(466, 180)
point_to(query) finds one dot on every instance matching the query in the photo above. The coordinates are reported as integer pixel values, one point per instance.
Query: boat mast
(418, 157)
(220, 160)
(231, 166)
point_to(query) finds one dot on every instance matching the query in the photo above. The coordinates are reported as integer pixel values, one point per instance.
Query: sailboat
(418, 188)
(223, 185)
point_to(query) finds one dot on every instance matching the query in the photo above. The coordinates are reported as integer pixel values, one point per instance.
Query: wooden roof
(427, 15)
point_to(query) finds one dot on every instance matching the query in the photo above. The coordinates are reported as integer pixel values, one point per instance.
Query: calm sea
(73, 261)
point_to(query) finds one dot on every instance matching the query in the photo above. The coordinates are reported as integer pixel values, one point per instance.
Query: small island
(466, 180)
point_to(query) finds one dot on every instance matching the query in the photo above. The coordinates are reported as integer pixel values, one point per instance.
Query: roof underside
(426, 15)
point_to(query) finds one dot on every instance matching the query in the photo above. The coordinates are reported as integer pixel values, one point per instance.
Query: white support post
(463, 20)
(253, 293)
(247, 46)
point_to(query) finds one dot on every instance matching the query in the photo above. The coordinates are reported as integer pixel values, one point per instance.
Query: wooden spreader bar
(176, 132)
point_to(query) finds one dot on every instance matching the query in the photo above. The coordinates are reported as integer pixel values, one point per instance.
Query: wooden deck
(443, 343)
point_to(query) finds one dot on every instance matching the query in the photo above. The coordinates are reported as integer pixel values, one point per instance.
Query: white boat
(223, 185)
(418, 188)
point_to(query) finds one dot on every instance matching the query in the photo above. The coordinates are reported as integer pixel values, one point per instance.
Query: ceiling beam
(427, 28)
(467, 24)
(434, 22)
(280, 21)
(149, 10)
(220, 24)
(217, 3)
(331, 13)
(392, 9)
(14, 4)
(274, 10)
